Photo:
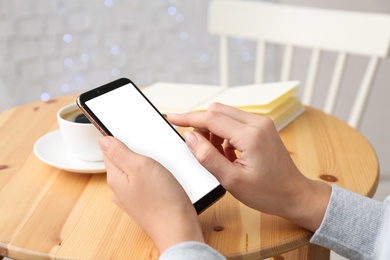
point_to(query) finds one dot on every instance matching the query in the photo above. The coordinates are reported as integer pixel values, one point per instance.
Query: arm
(353, 225)
(258, 177)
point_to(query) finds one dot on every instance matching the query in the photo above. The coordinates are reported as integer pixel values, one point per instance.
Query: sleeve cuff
(191, 251)
(352, 225)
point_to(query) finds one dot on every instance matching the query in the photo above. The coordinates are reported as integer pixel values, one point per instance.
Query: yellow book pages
(282, 107)
(264, 97)
(283, 114)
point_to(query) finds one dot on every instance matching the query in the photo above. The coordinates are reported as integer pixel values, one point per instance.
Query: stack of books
(274, 100)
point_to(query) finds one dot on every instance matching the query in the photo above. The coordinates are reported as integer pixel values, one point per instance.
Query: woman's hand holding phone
(148, 193)
(120, 109)
(154, 177)
(264, 177)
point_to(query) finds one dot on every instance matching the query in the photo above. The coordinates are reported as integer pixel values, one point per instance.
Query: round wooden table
(46, 212)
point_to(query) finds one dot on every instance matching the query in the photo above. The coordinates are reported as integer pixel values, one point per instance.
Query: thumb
(117, 159)
(116, 151)
(209, 156)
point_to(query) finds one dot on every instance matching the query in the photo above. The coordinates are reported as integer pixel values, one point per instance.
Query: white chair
(321, 30)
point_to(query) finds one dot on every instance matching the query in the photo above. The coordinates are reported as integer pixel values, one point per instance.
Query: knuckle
(262, 126)
(263, 122)
(113, 152)
(268, 123)
(232, 182)
(215, 106)
(212, 115)
(144, 164)
(204, 155)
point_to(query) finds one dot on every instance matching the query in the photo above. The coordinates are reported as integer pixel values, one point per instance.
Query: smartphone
(121, 110)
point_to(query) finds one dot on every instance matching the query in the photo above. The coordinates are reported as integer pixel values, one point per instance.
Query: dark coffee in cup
(76, 116)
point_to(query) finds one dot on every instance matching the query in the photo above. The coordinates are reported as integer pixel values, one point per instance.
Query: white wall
(52, 48)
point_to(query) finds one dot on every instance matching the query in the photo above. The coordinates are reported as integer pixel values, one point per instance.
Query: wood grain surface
(50, 213)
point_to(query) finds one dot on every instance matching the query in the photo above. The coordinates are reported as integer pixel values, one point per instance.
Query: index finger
(235, 113)
(224, 121)
(212, 121)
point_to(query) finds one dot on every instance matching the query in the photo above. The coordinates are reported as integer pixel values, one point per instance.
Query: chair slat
(287, 63)
(260, 57)
(224, 61)
(334, 87)
(363, 94)
(311, 76)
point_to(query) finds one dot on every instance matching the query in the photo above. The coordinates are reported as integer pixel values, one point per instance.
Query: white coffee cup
(80, 138)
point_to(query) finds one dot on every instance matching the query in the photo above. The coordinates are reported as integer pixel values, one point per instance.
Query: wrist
(181, 226)
(310, 204)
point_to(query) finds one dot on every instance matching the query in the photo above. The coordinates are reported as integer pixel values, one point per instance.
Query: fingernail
(191, 139)
(104, 142)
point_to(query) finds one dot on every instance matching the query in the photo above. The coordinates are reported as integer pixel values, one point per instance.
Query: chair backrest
(321, 30)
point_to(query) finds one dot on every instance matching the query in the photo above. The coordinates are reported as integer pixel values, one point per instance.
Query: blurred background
(50, 48)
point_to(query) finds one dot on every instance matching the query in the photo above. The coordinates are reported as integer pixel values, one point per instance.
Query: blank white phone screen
(130, 118)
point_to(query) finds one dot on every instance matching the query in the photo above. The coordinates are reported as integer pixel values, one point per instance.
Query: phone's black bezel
(199, 205)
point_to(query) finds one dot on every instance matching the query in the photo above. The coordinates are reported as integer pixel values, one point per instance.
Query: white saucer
(51, 149)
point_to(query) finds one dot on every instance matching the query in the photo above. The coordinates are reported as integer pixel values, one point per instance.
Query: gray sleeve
(191, 251)
(353, 226)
